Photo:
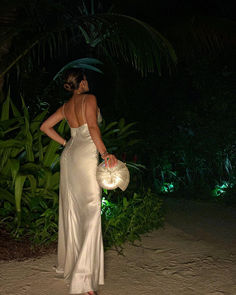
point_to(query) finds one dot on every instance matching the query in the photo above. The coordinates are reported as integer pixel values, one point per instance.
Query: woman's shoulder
(91, 98)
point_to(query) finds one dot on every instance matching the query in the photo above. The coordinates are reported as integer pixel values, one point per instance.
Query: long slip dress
(80, 252)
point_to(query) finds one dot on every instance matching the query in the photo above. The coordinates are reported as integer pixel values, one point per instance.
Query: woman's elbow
(42, 127)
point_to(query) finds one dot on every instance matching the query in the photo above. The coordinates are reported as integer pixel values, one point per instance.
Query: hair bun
(72, 78)
(69, 86)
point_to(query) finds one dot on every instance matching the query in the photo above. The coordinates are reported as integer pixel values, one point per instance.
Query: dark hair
(72, 78)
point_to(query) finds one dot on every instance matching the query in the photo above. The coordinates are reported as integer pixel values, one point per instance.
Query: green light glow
(220, 190)
(167, 187)
(108, 208)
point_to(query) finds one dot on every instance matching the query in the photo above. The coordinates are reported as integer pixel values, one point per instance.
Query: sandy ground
(195, 253)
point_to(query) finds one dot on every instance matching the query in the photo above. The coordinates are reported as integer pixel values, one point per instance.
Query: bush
(30, 173)
(129, 217)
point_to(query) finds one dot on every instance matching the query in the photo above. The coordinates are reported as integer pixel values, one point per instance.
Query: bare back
(74, 111)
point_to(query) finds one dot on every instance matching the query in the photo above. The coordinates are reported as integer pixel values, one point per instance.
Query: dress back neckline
(83, 114)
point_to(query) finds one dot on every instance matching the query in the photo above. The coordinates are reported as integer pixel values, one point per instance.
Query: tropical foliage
(29, 183)
(48, 29)
(29, 171)
(128, 216)
(194, 156)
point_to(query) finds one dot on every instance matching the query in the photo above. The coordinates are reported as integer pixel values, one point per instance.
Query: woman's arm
(94, 130)
(91, 119)
(47, 126)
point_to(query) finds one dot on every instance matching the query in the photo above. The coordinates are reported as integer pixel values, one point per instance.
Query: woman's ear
(81, 84)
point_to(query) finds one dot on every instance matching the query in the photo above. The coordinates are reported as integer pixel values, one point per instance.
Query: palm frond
(84, 63)
(208, 35)
(125, 37)
(130, 39)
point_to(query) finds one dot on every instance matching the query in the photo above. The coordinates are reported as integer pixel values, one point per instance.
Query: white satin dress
(80, 253)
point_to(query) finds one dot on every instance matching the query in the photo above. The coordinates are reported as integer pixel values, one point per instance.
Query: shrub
(30, 173)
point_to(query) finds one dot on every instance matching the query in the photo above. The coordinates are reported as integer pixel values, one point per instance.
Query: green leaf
(5, 108)
(54, 181)
(6, 195)
(110, 125)
(40, 146)
(19, 183)
(125, 128)
(125, 202)
(107, 134)
(121, 123)
(133, 142)
(83, 63)
(28, 135)
(33, 184)
(105, 191)
(16, 113)
(15, 166)
(11, 143)
(35, 124)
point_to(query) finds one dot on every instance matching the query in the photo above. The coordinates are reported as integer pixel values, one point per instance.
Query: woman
(80, 245)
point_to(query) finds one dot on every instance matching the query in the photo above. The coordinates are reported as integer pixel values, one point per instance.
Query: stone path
(194, 254)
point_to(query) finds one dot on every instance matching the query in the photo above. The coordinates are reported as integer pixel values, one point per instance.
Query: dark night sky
(151, 11)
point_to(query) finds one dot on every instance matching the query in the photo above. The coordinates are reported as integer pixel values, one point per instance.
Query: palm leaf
(138, 43)
(108, 134)
(84, 63)
(125, 128)
(114, 31)
(135, 166)
(207, 35)
(15, 59)
(127, 134)
(108, 126)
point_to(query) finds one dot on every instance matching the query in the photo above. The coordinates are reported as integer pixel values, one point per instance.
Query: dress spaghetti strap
(83, 115)
(63, 111)
(83, 112)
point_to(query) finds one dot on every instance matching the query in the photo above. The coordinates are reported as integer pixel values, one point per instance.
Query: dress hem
(82, 292)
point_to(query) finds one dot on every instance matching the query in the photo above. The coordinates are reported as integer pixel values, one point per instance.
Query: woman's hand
(110, 159)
